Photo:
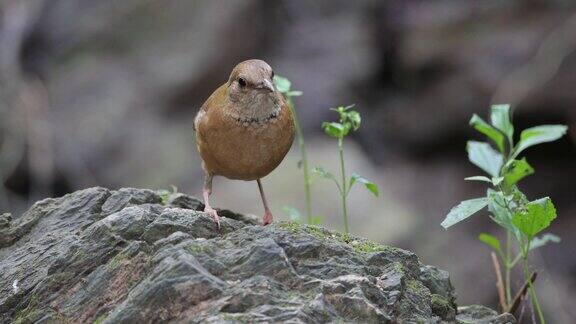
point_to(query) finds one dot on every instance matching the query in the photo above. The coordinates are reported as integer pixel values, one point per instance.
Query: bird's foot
(267, 219)
(212, 211)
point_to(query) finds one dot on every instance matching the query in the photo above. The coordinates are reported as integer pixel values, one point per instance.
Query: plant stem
(533, 296)
(507, 263)
(499, 283)
(508, 267)
(343, 192)
(520, 295)
(305, 170)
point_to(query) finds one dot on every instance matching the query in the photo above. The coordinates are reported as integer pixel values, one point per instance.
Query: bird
(243, 130)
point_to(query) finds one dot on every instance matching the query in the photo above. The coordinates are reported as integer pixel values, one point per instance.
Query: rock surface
(136, 255)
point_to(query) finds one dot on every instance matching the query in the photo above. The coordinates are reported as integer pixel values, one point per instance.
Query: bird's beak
(267, 85)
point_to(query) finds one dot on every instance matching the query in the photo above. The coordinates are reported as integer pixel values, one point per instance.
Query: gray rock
(482, 315)
(5, 220)
(172, 239)
(125, 197)
(184, 201)
(192, 222)
(133, 256)
(443, 295)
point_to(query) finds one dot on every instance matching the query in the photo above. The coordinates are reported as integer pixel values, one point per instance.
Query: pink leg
(206, 191)
(267, 214)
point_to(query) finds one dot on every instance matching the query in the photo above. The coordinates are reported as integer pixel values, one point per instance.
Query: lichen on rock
(137, 255)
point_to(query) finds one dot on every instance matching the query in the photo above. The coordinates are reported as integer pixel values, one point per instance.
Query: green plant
(295, 216)
(283, 85)
(349, 120)
(522, 219)
(166, 194)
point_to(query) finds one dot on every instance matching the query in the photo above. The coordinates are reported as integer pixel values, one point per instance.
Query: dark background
(104, 93)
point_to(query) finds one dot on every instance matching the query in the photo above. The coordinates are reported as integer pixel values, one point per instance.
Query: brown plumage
(244, 129)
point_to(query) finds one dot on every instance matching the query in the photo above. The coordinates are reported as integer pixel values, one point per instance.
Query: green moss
(197, 248)
(359, 245)
(317, 232)
(414, 285)
(28, 314)
(369, 247)
(116, 260)
(293, 227)
(439, 301)
(80, 255)
(57, 280)
(413, 304)
(398, 267)
(236, 318)
(342, 237)
(99, 319)
(227, 317)
(442, 307)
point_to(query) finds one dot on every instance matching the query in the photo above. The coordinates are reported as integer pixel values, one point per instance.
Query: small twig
(522, 309)
(521, 293)
(499, 282)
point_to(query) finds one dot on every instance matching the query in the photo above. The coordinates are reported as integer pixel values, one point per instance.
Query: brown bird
(243, 130)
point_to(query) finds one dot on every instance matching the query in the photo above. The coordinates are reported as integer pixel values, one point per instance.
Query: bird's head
(251, 87)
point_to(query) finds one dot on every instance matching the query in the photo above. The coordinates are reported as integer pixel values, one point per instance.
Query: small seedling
(296, 217)
(349, 120)
(166, 194)
(283, 85)
(522, 219)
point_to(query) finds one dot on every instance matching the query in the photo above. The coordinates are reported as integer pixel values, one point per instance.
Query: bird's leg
(206, 191)
(267, 214)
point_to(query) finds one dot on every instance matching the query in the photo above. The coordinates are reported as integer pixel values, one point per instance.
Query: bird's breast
(245, 149)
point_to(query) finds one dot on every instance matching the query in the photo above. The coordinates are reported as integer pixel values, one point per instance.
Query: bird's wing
(212, 101)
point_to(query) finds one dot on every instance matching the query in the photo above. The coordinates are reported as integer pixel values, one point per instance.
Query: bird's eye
(272, 74)
(242, 82)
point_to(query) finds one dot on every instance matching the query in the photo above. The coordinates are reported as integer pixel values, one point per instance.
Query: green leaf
(518, 170)
(499, 213)
(537, 217)
(478, 178)
(497, 180)
(495, 135)
(541, 241)
(334, 129)
(327, 175)
(464, 210)
(282, 84)
(293, 213)
(500, 118)
(371, 186)
(341, 110)
(323, 173)
(354, 118)
(164, 196)
(485, 157)
(294, 93)
(537, 135)
(490, 240)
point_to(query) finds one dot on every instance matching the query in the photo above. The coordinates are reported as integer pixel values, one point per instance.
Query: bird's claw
(267, 219)
(214, 214)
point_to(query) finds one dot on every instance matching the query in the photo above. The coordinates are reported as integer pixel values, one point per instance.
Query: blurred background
(104, 93)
